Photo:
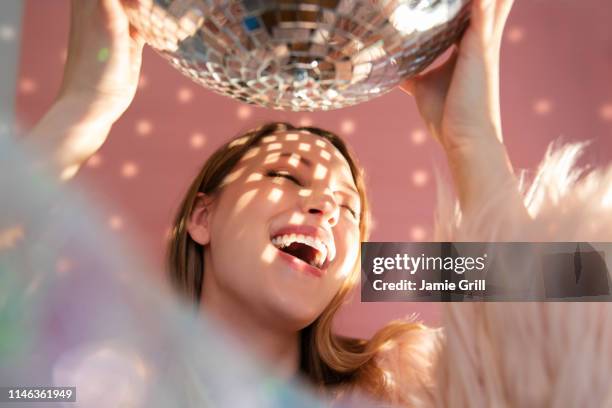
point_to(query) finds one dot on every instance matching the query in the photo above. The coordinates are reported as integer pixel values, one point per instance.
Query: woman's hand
(459, 102)
(104, 57)
(100, 80)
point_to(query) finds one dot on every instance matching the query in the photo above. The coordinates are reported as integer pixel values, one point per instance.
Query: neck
(256, 334)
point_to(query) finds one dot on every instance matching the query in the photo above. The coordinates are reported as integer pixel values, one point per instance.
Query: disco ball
(300, 55)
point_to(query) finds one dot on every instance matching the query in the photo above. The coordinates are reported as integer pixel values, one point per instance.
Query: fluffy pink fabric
(527, 354)
(566, 203)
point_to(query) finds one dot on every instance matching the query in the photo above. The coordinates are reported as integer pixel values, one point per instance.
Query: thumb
(409, 85)
(137, 38)
(440, 76)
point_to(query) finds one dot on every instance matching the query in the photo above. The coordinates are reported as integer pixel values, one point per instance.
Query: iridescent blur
(300, 55)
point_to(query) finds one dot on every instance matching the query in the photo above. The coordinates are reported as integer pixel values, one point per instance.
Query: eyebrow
(349, 186)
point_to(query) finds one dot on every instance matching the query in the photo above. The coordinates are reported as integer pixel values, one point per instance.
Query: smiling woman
(266, 240)
(292, 202)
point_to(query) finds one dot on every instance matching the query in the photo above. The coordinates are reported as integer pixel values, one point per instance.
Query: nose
(324, 205)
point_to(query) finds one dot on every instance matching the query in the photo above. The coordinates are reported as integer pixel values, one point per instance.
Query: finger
(460, 38)
(409, 85)
(490, 16)
(483, 17)
(501, 16)
(137, 38)
(439, 78)
(115, 9)
(502, 11)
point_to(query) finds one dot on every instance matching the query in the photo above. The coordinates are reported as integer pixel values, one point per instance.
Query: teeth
(282, 241)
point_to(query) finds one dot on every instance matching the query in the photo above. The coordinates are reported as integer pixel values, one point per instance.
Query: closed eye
(283, 174)
(350, 209)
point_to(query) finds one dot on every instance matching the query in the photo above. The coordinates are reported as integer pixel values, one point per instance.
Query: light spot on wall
(542, 106)
(94, 161)
(515, 34)
(144, 127)
(197, 140)
(184, 95)
(420, 178)
(142, 81)
(417, 233)
(129, 170)
(27, 86)
(418, 136)
(347, 126)
(244, 112)
(305, 121)
(605, 112)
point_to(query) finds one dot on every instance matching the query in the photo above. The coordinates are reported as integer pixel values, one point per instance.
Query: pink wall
(557, 61)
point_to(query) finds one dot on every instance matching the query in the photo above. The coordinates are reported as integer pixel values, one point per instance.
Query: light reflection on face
(290, 180)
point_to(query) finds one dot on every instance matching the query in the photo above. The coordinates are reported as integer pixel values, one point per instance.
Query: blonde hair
(326, 358)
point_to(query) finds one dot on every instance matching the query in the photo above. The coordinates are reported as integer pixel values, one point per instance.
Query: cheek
(240, 245)
(257, 198)
(234, 230)
(347, 251)
(244, 209)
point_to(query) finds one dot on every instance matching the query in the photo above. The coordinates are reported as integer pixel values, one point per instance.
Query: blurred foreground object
(537, 354)
(300, 55)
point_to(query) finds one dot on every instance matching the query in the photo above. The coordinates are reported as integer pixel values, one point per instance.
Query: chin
(295, 316)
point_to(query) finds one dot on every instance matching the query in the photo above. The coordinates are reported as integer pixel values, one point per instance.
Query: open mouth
(305, 248)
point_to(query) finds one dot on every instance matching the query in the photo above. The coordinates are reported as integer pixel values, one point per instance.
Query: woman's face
(284, 229)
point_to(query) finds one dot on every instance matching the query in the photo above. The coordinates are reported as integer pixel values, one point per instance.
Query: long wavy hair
(326, 359)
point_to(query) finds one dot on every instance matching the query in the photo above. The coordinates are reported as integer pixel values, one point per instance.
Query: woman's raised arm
(459, 102)
(100, 80)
